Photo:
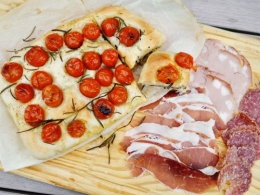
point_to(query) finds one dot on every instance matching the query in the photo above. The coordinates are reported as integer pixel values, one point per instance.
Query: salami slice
(237, 176)
(250, 104)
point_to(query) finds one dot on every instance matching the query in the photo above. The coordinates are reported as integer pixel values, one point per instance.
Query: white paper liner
(175, 21)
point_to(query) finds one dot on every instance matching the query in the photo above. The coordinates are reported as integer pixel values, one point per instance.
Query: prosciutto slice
(171, 173)
(183, 153)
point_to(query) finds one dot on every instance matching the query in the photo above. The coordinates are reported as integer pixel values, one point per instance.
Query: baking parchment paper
(169, 16)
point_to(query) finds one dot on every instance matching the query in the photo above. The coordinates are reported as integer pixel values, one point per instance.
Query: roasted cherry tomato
(110, 57)
(92, 60)
(184, 60)
(24, 92)
(51, 132)
(124, 74)
(109, 26)
(103, 109)
(37, 56)
(54, 41)
(168, 74)
(76, 128)
(52, 95)
(75, 67)
(34, 114)
(104, 76)
(41, 79)
(91, 31)
(89, 87)
(12, 71)
(128, 36)
(118, 95)
(74, 39)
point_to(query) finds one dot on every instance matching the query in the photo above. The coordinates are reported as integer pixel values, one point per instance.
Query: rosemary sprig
(12, 94)
(110, 140)
(16, 51)
(44, 122)
(13, 57)
(29, 69)
(27, 38)
(138, 96)
(7, 87)
(122, 23)
(64, 31)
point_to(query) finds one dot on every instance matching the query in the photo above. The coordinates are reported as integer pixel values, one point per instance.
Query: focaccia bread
(162, 70)
(149, 39)
(58, 112)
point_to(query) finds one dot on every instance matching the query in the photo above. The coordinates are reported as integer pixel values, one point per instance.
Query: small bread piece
(150, 38)
(155, 62)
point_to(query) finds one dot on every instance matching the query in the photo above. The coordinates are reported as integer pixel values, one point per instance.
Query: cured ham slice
(218, 90)
(225, 63)
(185, 148)
(171, 173)
(224, 75)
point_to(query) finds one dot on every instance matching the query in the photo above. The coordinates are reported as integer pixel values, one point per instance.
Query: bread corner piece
(155, 62)
(150, 38)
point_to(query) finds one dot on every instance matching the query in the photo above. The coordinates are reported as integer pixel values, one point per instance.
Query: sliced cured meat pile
(224, 75)
(243, 141)
(176, 142)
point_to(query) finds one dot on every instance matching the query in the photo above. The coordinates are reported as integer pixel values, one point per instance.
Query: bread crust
(155, 62)
(69, 86)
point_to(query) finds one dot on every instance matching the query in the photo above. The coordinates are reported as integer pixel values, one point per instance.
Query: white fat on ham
(230, 73)
(218, 90)
(156, 131)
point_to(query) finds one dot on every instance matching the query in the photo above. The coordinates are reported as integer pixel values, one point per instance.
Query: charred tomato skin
(103, 108)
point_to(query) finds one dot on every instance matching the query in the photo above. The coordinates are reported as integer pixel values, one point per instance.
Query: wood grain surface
(77, 171)
(89, 172)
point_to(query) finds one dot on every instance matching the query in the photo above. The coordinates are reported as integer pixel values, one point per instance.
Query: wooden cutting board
(90, 173)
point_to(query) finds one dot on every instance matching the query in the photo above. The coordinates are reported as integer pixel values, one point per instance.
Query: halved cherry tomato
(128, 36)
(168, 74)
(104, 76)
(110, 57)
(52, 95)
(74, 39)
(89, 87)
(109, 26)
(118, 95)
(184, 60)
(92, 60)
(75, 67)
(12, 71)
(34, 114)
(91, 31)
(124, 74)
(51, 132)
(24, 92)
(37, 56)
(41, 79)
(54, 41)
(76, 128)
(103, 109)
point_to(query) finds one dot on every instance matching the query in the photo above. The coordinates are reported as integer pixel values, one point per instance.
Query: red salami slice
(234, 179)
(240, 119)
(244, 138)
(250, 104)
(227, 133)
(245, 155)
